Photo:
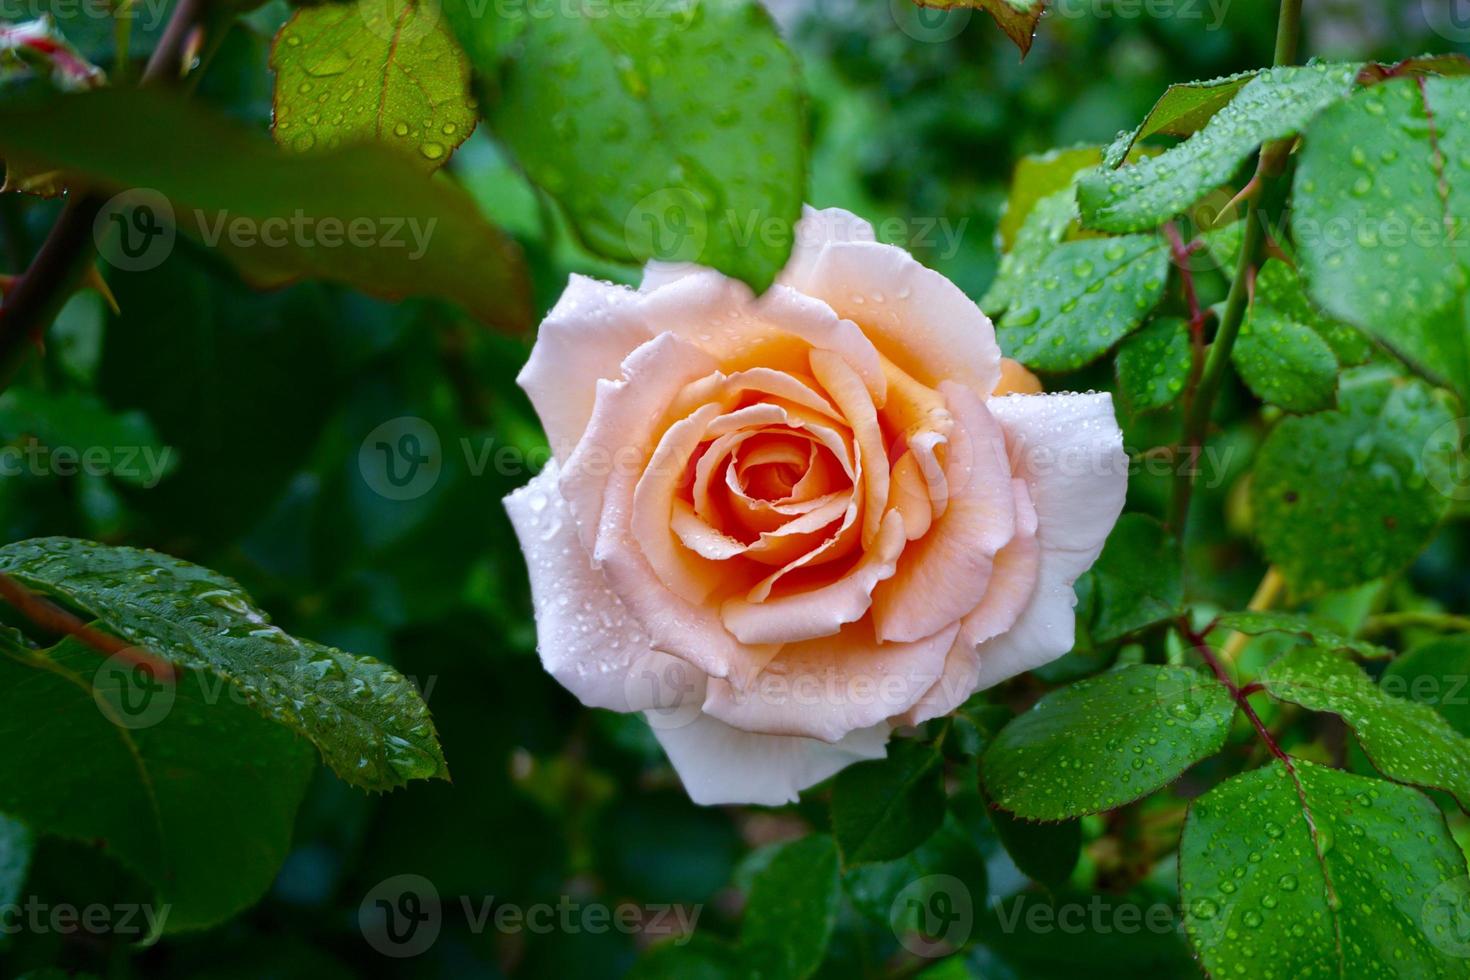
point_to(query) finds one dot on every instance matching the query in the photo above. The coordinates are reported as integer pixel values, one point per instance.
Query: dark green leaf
(701, 958)
(1106, 741)
(1045, 852)
(793, 904)
(1085, 297)
(1276, 103)
(1325, 874)
(16, 844)
(1343, 497)
(1279, 288)
(883, 809)
(388, 72)
(279, 216)
(1284, 362)
(1136, 579)
(189, 789)
(1382, 201)
(368, 720)
(77, 422)
(1435, 673)
(1256, 623)
(1408, 742)
(674, 132)
(949, 860)
(1154, 364)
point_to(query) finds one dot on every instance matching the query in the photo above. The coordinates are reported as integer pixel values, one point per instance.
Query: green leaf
(369, 721)
(1284, 362)
(1045, 852)
(1256, 623)
(189, 789)
(279, 216)
(1345, 496)
(1087, 295)
(792, 908)
(386, 72)
(1279, 288)
(949, 859)
(700, 958)
(1435, 673)
(1325, 874)
(1382, 201)
(1183, 110)
(1018, 18)
(1275, 104)
(883, 809)
(1154, 364)
(674, 133)
(16, 844)
(1043, 230)
(1406, 741)
(1106, 741)
(1136, 579)
(78, 421)
(1037, 177)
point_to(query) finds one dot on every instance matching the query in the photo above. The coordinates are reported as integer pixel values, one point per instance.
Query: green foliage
(1408, 742)
(1259, 623)
(1380, 237)
(883, 809)
(16, 844)
(117, 756)
(1136, 579)
(1106, 741)
(1285, 363)
(1045, 852)
(640, 140)
(223, 173)
(1314, 870)
(1182, 110)
(1086, 296)
(1037, 178)
(952, 851)
(1342, 497)
(1276, 103)
(792, 907)
(1154, 364)
(1436, 673)
(385, 72)
(367, 720)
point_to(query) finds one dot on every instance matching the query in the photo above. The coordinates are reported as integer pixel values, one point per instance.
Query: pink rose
(782, 526)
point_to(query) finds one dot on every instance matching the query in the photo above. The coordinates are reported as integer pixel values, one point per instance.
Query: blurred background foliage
(265, 399)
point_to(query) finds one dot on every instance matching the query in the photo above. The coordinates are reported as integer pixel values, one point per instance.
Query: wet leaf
(1183, 110)
(1437, 673)
(1136, 580)
(1285, 363)
(792, 907)
(1154, 364)
(883, 809)
(1258, 623)
(1018, 18)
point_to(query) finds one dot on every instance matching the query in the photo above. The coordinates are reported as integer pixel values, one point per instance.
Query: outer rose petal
(720, 764)
(585, 337)
(585, 636)
(1069, 450)
(814, 232)
(914, 316)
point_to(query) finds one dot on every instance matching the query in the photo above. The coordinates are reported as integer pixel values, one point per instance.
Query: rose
(782, 525)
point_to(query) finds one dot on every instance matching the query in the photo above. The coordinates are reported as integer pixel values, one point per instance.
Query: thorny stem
(1241, 695)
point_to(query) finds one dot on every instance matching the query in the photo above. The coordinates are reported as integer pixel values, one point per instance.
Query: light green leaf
(1284, 362)
(1136, 579)
(190, 790)
(388, 72)
(1275, 104)
(1407, 742)
(369, 721)
(674, 132)
(1326, 874)
(792, 908)
(1183, 110)
(1154, 364)
(1382, 219)
(77, 421)
(1342, 497)
(361, 215)
(1106, 741)
(883, 809)
(1436, 673)
(1037, 177)
(1257, 623)
(1043, 230)
(1086, 296)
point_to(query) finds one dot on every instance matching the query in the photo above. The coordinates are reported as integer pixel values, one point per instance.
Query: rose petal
(814, 232)
(846, 391)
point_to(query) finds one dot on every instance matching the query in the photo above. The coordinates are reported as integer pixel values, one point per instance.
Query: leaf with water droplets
(1275, 104)
(1254, 623)
(1182, 110)
(883, 809)
(1437, 673)
(1279, 287)
(1283, 362)
(388, 72)
(1342, 497)
(1106, 741)
(1018, 18)
(178, 780)
(1037, 177)
(1043, 230)
(792, 908)
(1408, 742)
(1321, 873)
(1382, 219)
(666, 132)
(369, 721)
(1136, 581)
(1084, 298)
(1153, 364)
